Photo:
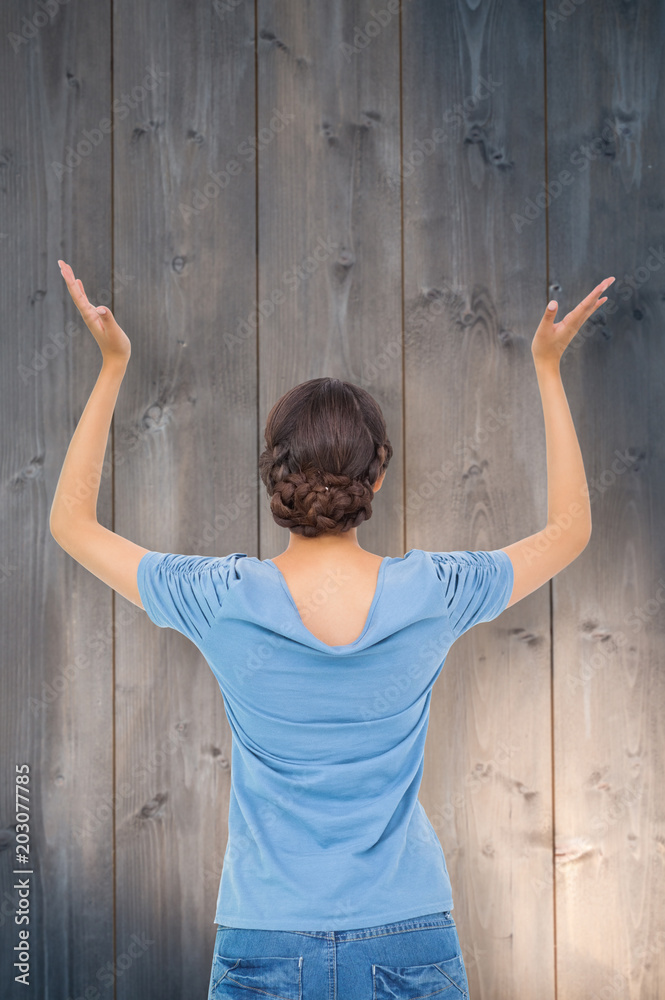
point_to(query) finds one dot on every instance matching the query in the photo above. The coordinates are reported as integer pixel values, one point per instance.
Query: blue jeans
(419, 957)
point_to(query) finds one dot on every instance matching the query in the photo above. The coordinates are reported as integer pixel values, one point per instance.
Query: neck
(343, 544)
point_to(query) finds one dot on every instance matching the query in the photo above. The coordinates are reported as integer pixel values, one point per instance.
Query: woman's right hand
(551, 339)
(112, 341)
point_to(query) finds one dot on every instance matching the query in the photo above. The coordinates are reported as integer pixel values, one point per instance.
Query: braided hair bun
(326, 447)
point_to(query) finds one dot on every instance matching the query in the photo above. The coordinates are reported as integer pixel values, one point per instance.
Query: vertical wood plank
(474, 288)
(606, 218)
(55, 618)
(329, 224)
(185, 455)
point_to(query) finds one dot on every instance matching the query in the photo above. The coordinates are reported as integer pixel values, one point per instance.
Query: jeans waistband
(443, 918)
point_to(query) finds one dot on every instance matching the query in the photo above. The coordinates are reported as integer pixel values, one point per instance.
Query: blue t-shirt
(325, 829)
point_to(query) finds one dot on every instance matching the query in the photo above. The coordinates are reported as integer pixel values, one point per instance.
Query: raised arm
(539, 557)
(73, 520)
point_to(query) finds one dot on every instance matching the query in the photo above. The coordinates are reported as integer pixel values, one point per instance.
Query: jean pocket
(242, 978)
(412, 982)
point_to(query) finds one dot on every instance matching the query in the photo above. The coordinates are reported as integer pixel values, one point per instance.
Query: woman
(334, 883)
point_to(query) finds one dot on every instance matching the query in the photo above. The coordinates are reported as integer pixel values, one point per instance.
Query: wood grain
(608, 605)
(57, 672)
(388, 197)
(475, 469)
(184, 223)
(329, 225)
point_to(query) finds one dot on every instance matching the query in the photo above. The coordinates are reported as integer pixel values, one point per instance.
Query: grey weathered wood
(326, 177)
(185, 451)
(475, 469)
(131, 758)
(606, 63)
(56, 698)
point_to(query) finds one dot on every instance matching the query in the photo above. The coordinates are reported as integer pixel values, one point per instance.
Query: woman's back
(325, 825)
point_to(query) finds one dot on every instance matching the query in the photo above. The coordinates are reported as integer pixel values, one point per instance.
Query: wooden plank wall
(411, 146)
(57, 647)
(607, 622)
(473, 287)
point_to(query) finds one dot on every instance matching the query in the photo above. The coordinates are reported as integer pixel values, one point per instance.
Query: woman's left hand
(113, 342)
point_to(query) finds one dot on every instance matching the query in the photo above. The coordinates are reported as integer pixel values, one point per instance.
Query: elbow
(574, 538)
(585, 539)
(55, 529)
(57, 522)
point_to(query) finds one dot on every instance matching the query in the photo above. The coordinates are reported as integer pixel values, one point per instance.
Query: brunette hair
(326, 446)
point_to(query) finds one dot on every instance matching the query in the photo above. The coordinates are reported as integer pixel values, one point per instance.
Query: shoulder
(186, 592)
(219, 568)
(467, 559)
(463, 571)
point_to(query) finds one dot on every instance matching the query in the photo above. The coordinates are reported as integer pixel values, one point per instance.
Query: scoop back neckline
(368, 620)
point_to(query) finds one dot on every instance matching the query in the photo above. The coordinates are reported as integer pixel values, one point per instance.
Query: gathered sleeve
(476, 586)
(184, 592)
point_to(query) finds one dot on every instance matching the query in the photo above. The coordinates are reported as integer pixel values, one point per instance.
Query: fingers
(592, 296)
(68, 275)
(599, 288)
(75, 285)
(589, 305)
(77, 292)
